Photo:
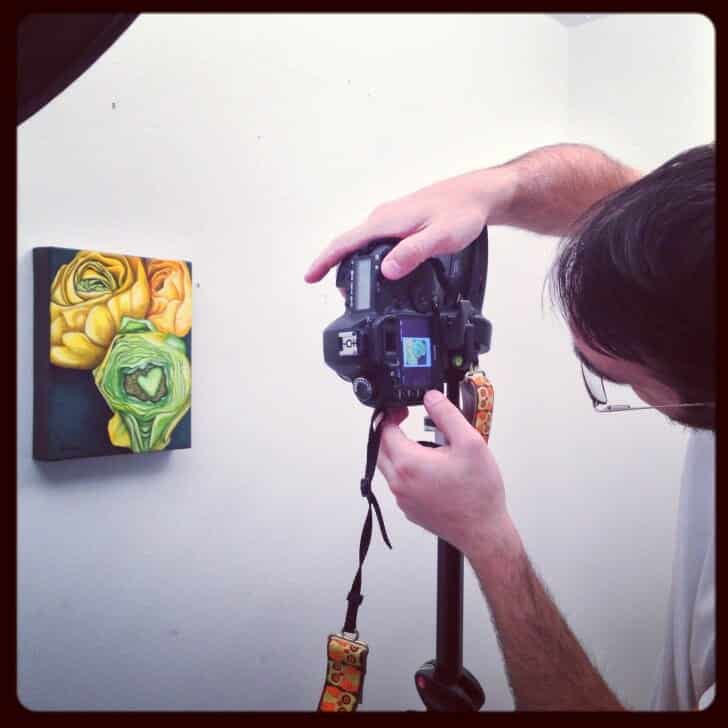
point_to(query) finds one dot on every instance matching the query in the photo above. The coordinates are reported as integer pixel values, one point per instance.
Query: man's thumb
(446, 416)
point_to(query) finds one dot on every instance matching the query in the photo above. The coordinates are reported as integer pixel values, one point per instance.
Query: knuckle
(443, 236)
(333, 250)
(442, 405)
(477, 219)
(338, 240)
(403, 470)
(382, 210)
(418, 249)
(474, 443)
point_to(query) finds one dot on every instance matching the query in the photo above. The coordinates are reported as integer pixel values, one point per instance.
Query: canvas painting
(113, 351)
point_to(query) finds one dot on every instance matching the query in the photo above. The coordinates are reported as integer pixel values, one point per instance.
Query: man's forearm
(546, 666)
(548, 189)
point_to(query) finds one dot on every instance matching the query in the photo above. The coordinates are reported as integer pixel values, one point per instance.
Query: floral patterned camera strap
(346, 656)
(477, 396)
(346, 659)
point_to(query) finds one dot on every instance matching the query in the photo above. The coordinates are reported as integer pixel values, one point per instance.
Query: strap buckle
(355, 599)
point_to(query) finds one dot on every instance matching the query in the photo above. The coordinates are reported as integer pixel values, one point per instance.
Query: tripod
(443, 683)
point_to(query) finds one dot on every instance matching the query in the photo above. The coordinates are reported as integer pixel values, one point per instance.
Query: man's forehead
(611, 367)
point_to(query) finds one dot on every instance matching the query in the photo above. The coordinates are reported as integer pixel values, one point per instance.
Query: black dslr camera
(397, 339)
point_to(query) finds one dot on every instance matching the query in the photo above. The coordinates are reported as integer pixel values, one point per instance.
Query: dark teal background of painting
(77, 413)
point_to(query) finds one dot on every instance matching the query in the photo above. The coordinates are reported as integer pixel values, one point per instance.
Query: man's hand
(544, 191)
(436, 220)
(454, 491)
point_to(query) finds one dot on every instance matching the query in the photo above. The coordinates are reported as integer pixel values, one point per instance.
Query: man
(635, 281)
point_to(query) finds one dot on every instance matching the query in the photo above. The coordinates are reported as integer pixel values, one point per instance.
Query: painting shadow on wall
(96, 472)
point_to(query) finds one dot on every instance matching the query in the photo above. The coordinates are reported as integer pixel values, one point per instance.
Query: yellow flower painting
(117, 372)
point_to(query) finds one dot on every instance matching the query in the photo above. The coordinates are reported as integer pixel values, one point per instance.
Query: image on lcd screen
(416, 351)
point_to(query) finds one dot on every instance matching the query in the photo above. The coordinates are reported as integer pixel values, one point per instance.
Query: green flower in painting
(145, 379)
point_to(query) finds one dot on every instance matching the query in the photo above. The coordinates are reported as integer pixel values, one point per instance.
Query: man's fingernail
(391, 267)
(433, 397)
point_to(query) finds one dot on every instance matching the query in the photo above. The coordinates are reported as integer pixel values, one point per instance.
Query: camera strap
(355, 597)
(477, 394)
(346, 654)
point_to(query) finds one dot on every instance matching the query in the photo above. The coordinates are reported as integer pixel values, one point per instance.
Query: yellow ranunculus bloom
(89, 296)
(170, 287)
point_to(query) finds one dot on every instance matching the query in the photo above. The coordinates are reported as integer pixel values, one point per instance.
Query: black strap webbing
(355, 597)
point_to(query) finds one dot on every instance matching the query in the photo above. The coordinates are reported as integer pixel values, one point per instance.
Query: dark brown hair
(636, 278)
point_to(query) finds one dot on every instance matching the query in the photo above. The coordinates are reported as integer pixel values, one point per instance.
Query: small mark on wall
(113, 104)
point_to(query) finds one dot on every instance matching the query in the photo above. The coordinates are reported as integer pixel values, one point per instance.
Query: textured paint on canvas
(117, 376)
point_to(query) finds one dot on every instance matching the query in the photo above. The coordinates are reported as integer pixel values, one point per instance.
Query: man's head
(636, 284)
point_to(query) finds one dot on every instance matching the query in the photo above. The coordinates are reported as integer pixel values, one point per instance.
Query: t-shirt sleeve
(706, 698)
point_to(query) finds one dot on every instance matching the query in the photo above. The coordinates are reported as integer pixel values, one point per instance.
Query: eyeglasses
(595, 387)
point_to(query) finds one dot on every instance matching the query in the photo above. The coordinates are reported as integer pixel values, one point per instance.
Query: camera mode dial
(363, 389)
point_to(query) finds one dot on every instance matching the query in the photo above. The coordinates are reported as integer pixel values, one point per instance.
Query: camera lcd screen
(416, 339)
(362, 284)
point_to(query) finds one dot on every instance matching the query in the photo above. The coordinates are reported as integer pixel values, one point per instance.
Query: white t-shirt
(686, 674)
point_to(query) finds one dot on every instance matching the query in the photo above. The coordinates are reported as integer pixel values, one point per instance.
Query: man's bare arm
(543, 191)
(546, 666)
(551, 187)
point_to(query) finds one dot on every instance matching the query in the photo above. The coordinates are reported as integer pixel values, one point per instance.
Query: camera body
(397, 339)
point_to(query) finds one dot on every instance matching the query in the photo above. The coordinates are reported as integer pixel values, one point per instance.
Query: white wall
(643, 84)
(208, 579)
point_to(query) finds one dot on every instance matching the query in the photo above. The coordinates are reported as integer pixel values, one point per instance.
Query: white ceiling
(572, 19)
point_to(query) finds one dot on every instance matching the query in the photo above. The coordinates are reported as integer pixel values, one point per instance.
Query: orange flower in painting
(170, 288)
(89, 297)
